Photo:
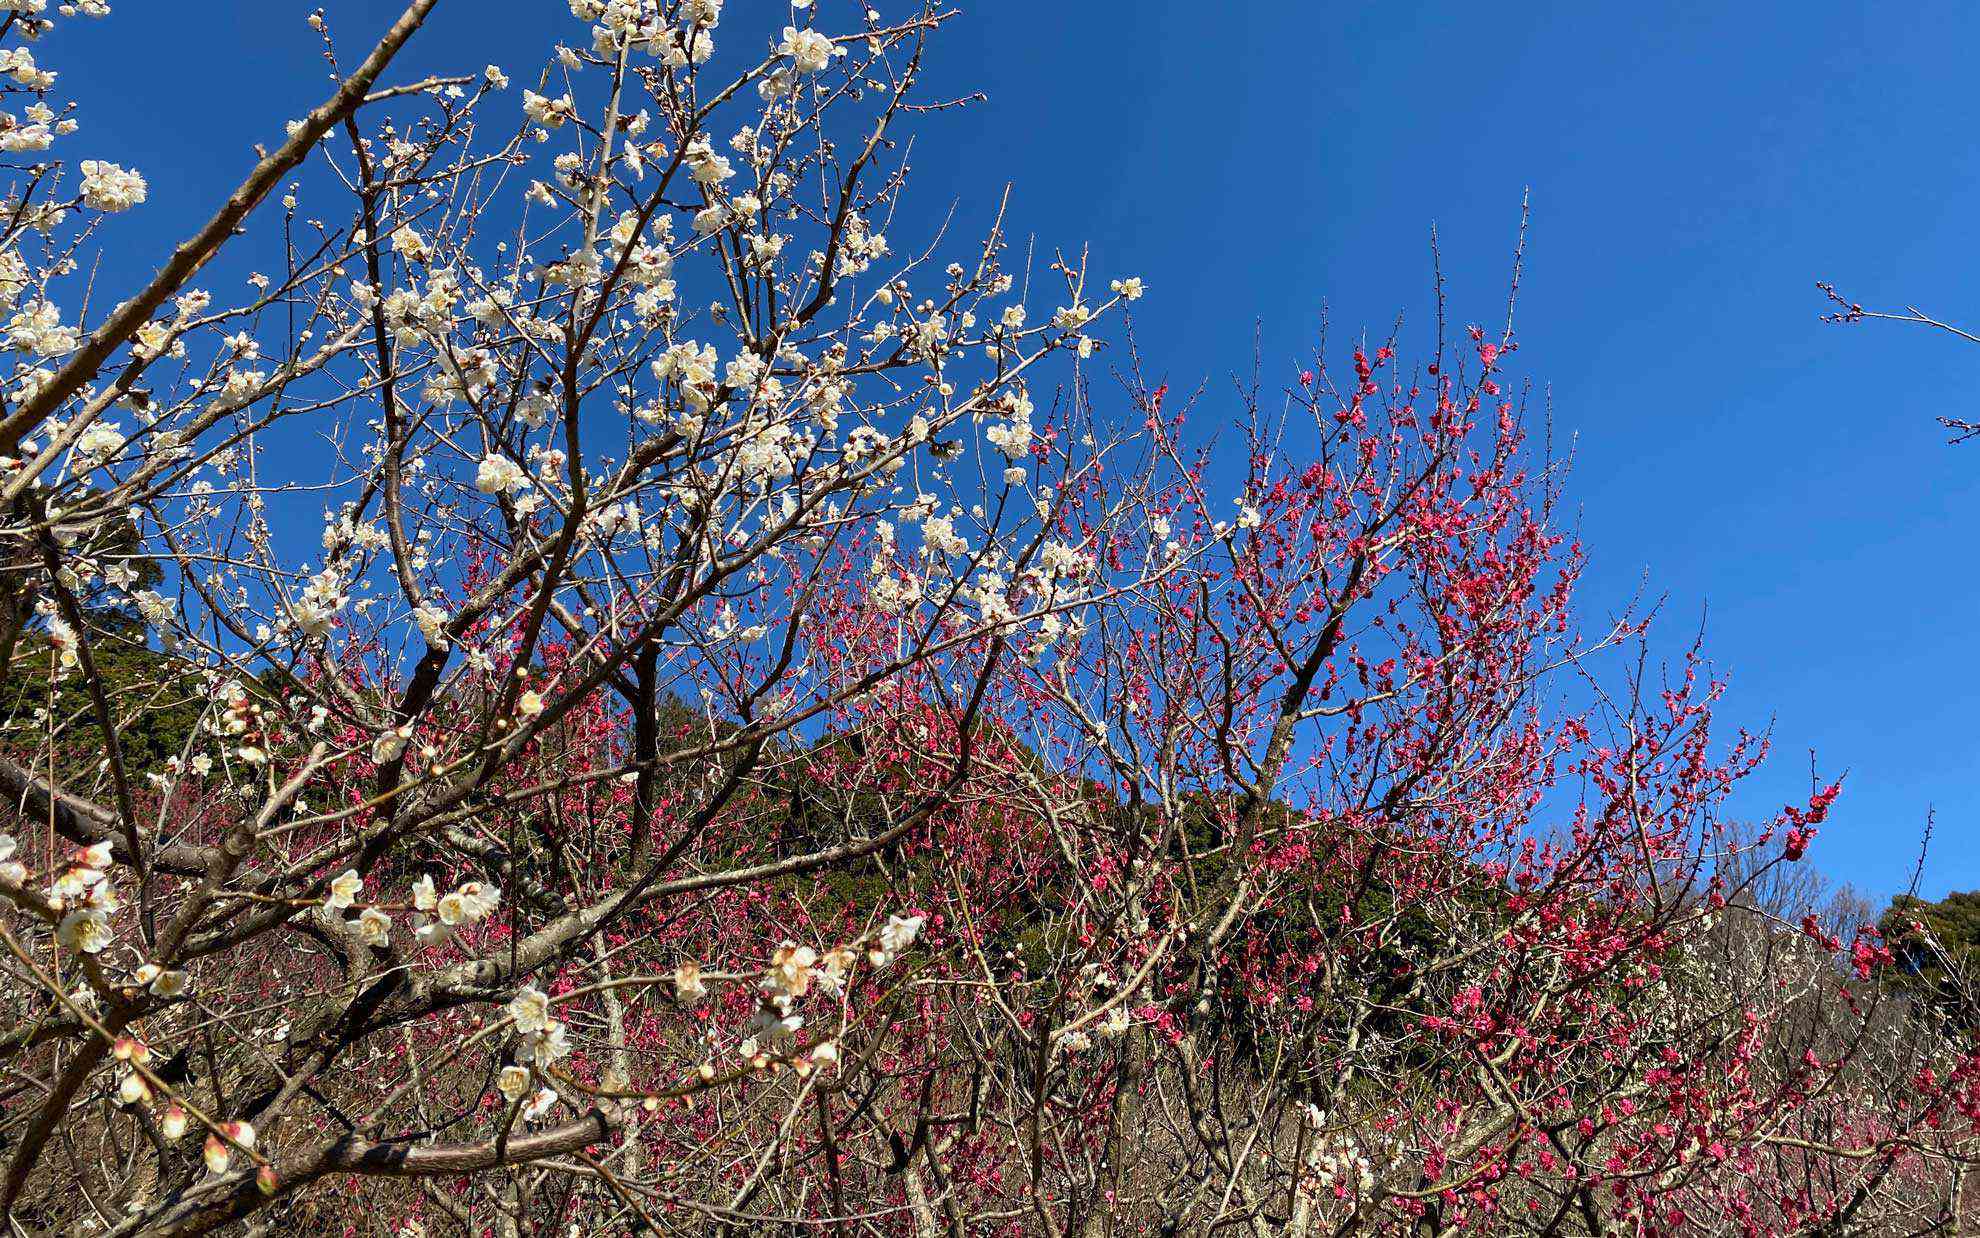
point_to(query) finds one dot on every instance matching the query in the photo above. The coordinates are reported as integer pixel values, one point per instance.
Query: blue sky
(1694, 168)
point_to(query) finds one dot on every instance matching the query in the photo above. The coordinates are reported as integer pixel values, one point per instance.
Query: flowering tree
(615, 432)
(1390, 938)
(597, 694)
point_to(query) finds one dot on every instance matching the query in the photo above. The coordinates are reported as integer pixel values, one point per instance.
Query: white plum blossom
(35, 135)
(789, 973)
(547, 112)
(892, 591)
(900, 932)
(498, 474)
(412, 244)
(156, 608)
(513, 1082)
(895, 937)
(322, 598)
(548, 1046)
(372, 927)
(37, 328)
(808, 49)
(531, 1011)
(14, 276)
(431, 933)
(389, 745)
(101, 440)
(161, 982)
(1073, 1041)
(940, 534)
(704, 165)
(344, 889)
(474, 901)
(84, 882)
(107, 187)
(711, 219)
(432, 623)
(18, 63)
(694, 46)
(87, 930)
(1012, 437)
(539, 1104)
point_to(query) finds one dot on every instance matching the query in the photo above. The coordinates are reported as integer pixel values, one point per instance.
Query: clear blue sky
(1694, 169)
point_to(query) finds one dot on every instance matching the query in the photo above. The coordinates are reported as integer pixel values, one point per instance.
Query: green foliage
(155, 698)
(1942, 960)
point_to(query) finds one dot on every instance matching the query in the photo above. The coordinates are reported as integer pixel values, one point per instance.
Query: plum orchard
(751, 738)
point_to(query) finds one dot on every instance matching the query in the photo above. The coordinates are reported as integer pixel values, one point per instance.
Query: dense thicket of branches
(755, 737)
